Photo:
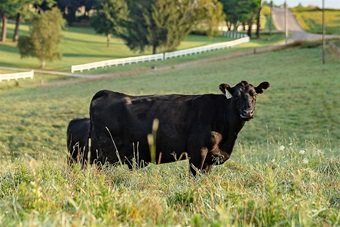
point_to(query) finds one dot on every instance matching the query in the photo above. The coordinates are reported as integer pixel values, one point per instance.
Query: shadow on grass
(83, 30)
(82, 55)
(9, 49)
(66, 38)
(20, 64)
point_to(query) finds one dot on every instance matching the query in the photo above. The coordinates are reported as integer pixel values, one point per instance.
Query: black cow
(204, 126)
(78, 134)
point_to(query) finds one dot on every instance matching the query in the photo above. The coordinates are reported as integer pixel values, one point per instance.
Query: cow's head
(244, 97)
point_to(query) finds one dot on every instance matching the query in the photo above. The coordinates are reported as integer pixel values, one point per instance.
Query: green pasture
(82, 45)
(173, 62)
(311, 20)
(285, 169)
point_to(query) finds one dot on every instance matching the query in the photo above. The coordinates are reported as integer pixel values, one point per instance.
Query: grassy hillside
(310, 20)
(41, 114)
(285, 169)
(83, 45)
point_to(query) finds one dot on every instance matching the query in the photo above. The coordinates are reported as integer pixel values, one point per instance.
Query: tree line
(157, 24)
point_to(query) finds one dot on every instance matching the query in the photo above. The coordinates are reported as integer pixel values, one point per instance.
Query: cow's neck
(231, 115)
(232, 125)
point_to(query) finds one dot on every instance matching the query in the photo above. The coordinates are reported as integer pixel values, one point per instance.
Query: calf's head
(244, 97)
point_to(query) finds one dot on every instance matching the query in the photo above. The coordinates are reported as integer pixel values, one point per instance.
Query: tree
(242, 11)
(108, 17)
(231, 8)
(44, 38)
(165, 23)
(7, 8)
(210, 13)
(258, 17)
(89, 5)
(69, 9)
(237, 12)
(44, 5)
(22, 11)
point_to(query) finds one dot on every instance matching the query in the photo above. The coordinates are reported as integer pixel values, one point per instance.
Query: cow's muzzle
(246, 115)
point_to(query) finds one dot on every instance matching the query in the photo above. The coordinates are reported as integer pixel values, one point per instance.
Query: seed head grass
(282, 190)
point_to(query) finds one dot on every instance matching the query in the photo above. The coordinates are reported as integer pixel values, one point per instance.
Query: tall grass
(284, 190)
(284, 169)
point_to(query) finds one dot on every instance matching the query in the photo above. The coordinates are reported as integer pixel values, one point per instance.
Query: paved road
(294, 29)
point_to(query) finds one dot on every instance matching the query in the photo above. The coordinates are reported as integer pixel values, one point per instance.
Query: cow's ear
(226, 90)
(262, 86)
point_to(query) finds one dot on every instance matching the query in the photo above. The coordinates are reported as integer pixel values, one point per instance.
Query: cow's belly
(170, 149)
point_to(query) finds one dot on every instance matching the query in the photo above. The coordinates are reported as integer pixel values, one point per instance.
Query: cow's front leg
(197, 160)
(204, 165)
(206, 168)
(208, 152)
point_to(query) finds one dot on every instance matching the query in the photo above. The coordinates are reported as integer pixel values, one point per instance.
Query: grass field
(83, 45)
(311, 20)
(285, 170)
(84, 51)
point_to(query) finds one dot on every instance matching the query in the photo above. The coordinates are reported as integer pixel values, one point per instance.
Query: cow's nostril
(248, 113)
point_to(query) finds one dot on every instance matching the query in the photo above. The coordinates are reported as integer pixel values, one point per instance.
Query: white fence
(162, 56)
(203, 49)
(16, 76)
(233, 34)
(116, 62)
